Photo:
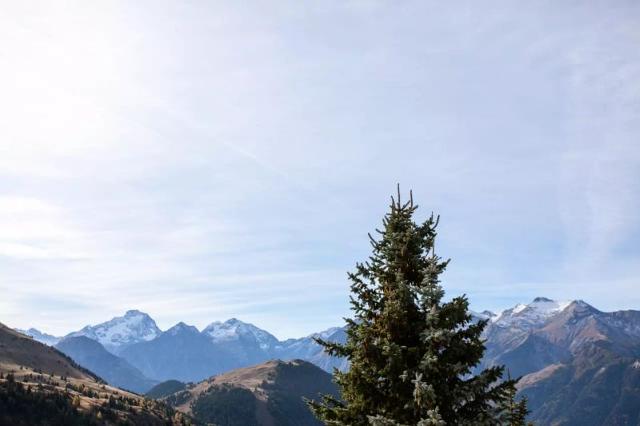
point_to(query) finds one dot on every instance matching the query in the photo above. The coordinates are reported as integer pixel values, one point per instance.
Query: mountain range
(113, 369)
(39, 385)
(579, 365)
(182, 352)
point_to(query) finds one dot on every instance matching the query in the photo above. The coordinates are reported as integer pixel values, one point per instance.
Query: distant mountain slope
(115, 370)
(557, 346)
(597, 381)
(181, 353)
(508, 337)
(593, 389)
(17, 349)
(307, 349)
(263, 395)
(231, 344)
(41, 337)
(233, 330)
(120, 332)
(39, 385)
(577, 361)
(244, 342)
(248, 345)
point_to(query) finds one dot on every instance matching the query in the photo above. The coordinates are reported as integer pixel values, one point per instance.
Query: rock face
(262, 395)
(113, 369)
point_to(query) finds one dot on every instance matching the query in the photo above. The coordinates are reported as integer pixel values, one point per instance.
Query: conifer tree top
(411, 354)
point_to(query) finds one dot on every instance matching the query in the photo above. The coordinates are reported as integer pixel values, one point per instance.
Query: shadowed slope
(266, 394)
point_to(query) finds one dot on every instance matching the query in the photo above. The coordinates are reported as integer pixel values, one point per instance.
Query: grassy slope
(45, 371)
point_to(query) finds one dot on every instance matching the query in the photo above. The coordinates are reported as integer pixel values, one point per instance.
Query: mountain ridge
(120, 332)
(248, 344)
(41, 385)
(559, 347)
(266, 394)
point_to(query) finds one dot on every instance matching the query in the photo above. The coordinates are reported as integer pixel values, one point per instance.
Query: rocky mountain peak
(526, 316)
(182, 327)
(233, 329)
(134, 326)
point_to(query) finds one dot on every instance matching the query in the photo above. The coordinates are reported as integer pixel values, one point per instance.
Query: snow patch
(235, 330)
(532, 314)
(519, 308)
(133, 327)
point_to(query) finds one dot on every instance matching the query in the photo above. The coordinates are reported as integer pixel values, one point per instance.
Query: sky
(205, 160)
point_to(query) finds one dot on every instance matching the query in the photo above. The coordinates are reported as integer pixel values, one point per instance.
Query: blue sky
(200, 160)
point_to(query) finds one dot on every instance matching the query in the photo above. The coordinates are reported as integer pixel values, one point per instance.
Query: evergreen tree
(411, 354)
(517, 411)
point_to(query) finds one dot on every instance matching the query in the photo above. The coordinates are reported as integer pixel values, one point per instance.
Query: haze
(206, 160)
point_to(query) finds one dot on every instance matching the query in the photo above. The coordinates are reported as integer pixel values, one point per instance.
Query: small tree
(411, 354)
(517, 411)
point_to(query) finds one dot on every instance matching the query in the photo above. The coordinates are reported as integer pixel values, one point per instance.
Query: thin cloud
(199, 161)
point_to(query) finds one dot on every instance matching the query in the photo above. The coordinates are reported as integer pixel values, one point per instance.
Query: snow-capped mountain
(580, 358)
(329, 333)
(308, 349)
(576, 361)
(41, 337)
(526, 316)
(180, 328)
(120, 332)
(511, 327)
(481, 316)
(184, 353)
(244, 343)
(562, 348)
(236, 330)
